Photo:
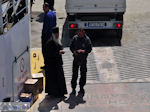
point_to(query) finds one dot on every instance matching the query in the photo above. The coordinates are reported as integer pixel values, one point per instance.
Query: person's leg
(47, 80)
(31, 3)
(61, 81)
(43, 52)
(52, 1)
(44, 40)
(83, 71)
(51, 4)
(74, 76)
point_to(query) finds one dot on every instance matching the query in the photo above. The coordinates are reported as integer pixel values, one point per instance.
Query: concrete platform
(105, 89)
(115, 66)
(121, 97)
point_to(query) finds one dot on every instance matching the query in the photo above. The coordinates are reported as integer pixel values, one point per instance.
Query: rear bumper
(99, 24)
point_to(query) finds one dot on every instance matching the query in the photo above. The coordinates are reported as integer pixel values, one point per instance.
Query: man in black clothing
(80, 47)
(55, 80)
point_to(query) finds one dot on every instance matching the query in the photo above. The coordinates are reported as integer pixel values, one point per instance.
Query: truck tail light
(73, 25)
(118, 25)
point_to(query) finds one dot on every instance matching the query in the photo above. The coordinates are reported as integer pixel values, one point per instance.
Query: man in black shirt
(80, 47)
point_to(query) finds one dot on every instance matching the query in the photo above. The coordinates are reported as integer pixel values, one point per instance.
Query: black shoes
(82, 91)
(73, 92)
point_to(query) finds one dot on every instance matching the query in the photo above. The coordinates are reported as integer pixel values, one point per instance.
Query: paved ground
(119, 97)
(114, 72)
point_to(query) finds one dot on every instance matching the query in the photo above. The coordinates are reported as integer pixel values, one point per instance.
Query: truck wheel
(119, 34)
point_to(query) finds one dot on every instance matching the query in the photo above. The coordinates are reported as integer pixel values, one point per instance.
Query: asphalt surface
(118, 76)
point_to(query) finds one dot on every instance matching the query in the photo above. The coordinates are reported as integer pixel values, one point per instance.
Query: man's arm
(72, 46)
(89, 46)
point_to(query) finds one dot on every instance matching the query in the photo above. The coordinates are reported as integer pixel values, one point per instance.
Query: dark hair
(46, 5)
(81, 30)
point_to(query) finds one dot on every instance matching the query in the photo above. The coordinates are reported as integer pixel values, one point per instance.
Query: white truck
(96, 14)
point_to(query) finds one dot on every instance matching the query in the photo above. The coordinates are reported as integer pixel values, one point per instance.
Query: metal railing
(11, 11)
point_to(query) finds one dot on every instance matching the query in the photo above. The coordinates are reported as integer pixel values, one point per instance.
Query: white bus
(14, 47)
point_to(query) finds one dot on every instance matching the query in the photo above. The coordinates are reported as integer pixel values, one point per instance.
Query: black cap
(55, 30)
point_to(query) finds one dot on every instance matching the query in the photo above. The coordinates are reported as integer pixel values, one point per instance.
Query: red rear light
(118, 25)
(73, 26)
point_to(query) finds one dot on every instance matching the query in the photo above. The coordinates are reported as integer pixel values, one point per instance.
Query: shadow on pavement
(49, 103)
(38, 16)
(74, 101)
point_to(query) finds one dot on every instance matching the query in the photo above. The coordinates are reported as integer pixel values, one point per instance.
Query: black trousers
(51, 3)
(83, 71)
(44, 39)
(44, 53)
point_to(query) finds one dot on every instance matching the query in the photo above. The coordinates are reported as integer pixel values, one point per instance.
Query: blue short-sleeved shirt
(49, 22)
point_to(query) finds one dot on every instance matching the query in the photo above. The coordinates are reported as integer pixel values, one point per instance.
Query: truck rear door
(95, 6)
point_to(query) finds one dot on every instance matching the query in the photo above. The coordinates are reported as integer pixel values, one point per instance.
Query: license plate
(96, 24)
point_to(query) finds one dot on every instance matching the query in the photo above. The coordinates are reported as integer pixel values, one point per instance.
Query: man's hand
(62, 52)
(81, 51)
(75, 53)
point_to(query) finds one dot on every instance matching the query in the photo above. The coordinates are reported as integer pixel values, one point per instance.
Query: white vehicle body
(95, 14)
(95, 6)
(14, 56)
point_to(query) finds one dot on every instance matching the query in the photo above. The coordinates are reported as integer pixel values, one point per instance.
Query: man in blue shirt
(48, 23)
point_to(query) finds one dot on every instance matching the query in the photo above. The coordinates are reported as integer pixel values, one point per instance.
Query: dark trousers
(83, 71)
(44, 39)
(51, 3)
(44, 53)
